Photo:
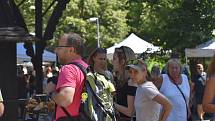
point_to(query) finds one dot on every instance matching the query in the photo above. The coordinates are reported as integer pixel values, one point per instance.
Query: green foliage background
(170, 24)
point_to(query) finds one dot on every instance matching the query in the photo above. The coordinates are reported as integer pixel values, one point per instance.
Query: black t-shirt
(122, 93)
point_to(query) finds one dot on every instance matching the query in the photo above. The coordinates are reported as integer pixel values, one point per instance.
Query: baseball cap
(135, 64)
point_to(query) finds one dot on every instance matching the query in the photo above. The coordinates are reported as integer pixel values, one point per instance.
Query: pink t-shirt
(71, 76)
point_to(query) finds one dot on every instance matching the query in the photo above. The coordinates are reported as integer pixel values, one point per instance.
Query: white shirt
(169, 89)
(146, 108)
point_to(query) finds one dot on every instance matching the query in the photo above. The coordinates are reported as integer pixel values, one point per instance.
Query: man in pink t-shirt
(71, 79)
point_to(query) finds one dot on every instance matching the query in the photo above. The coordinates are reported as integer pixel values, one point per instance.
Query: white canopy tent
(206, 49)
(137, 44)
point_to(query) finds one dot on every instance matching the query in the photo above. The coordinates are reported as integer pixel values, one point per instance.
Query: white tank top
(169, 89)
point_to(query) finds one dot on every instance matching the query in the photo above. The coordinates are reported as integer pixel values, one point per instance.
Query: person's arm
(128, 111)
(158, 82)
(209, 94)
(64, 97)
(167, 106)
(1, 104)
(66, 85)
(1, 109)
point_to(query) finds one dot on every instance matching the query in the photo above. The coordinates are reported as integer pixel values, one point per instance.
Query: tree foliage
(111, 14)
(171, 24)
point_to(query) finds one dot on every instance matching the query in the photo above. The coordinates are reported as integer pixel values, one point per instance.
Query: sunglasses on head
(121, 49)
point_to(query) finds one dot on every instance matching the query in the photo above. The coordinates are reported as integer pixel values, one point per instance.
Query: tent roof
(207, 45)
(206, 49)
(137, 44)
(21, 54)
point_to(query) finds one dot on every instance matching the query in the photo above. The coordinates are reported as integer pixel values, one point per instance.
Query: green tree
(173, 24)
(111, 13)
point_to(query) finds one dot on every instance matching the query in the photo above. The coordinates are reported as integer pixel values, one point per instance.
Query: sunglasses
(62, 46)
(121, 49)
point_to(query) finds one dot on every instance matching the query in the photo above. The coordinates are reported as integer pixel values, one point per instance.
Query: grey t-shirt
(146, 108)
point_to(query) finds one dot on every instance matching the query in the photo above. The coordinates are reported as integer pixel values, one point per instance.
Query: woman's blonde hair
(124, 53)
(173, 61)
(211, 67)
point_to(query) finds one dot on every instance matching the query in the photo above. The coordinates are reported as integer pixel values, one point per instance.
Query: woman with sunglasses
(125, 88)
(150, 104)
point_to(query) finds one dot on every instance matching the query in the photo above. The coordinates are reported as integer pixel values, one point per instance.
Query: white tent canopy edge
(199, 52)
(137, 44)
(206, 49)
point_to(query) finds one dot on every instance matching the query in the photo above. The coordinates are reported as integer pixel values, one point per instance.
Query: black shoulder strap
(81, 67)
(183, 97)
(180, 92)
(66, 112)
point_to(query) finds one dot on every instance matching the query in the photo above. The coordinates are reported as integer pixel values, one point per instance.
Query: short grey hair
(173, 61)
(76, 41)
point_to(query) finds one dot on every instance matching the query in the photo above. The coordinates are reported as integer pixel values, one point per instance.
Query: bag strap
(183, 97)
(84, 70)
(66, 112)
(180, 92)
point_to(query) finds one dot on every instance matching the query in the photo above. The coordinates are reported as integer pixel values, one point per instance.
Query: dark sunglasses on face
(62, 46)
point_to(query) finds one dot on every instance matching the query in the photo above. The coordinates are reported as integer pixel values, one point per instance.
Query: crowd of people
(129, 91)
(129, 88)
